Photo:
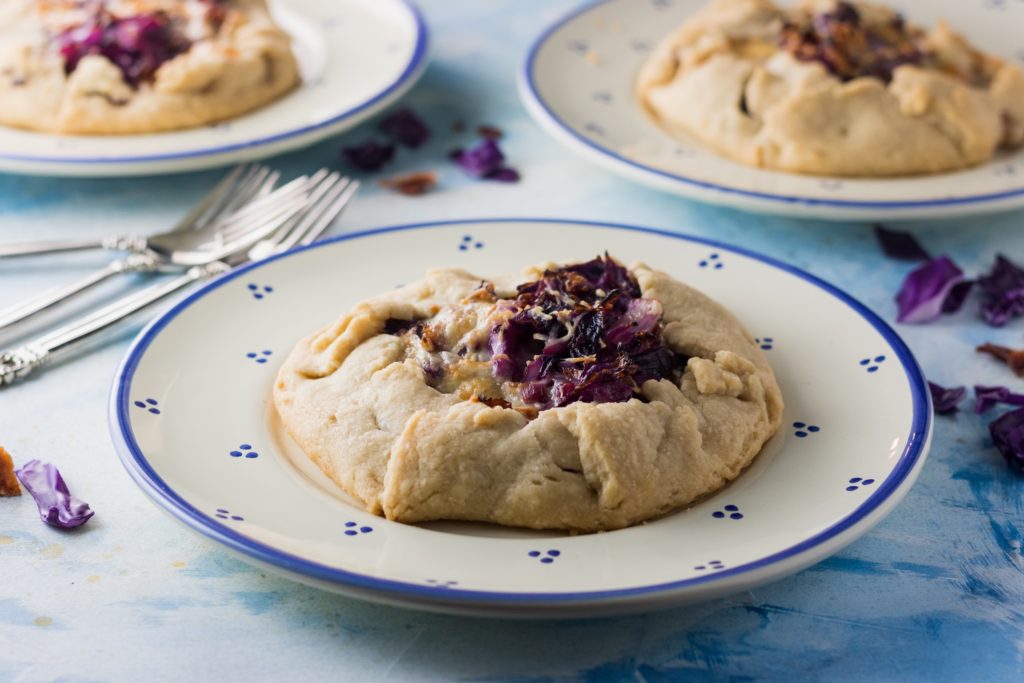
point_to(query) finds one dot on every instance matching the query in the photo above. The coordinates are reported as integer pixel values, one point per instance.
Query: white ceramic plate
(577, 82)
(191, 419)
(357, 56)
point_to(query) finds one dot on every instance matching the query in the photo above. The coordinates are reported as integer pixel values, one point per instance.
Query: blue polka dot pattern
(713, 261)
(713, 565)
(223, 513)
(244, 451)
(803, 429)
(730, 511)
(545, 558)
(871, 364)
(149, 405)
(259, 291)
(468, 242)
(855, 483)
(353, 529)
(259, 357)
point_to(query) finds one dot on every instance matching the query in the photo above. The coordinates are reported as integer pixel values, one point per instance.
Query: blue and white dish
(191, 418)
(356, 57)
(578, 83)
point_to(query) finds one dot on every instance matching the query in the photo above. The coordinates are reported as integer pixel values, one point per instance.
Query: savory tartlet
(833, 88)
(138, 66)
(588, 397)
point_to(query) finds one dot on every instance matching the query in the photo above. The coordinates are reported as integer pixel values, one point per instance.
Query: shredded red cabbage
(57, 507)
(900, 245)
(582, 333)
(369, 156)
(405, 127)
(987, 397)
(946, 401)
(137, 45)
(957, 296)
(1003, 289)
(486, 160)
(1008, 436)
(924, 292)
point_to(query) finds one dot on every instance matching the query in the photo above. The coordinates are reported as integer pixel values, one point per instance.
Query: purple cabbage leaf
(987, 397)
(1003, 291)
(900, 245)
(1007, 433)
(924, 291)
(405, 127)
(946, 400)
(57, 507)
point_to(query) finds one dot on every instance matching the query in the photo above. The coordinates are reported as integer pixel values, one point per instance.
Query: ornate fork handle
(18, 363)
(145, 262)
(132, 243)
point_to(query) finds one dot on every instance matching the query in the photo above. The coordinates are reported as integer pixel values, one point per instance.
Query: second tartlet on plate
(833, 88)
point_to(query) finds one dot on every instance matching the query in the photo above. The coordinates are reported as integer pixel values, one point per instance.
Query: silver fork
(225, 221)
(332, 194)
(240, 184)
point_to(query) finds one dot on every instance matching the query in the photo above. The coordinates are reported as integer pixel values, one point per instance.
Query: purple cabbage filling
(137, 45)
(582, 333)
(848, 47)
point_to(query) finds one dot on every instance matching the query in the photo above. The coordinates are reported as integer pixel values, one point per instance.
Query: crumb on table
(8, 482)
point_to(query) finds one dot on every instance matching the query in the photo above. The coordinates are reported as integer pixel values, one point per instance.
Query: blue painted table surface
(933, 593)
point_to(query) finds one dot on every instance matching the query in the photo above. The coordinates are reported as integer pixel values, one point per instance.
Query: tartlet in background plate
(578, 83)
(356, 58)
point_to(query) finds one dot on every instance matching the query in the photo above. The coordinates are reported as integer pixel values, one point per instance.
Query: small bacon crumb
(490, 132)
(411, 184)
(8, 482)
(1014, 358)
(490, 402)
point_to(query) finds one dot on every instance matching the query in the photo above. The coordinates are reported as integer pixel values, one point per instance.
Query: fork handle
(39, 248)
(136, 263)
(18, 363)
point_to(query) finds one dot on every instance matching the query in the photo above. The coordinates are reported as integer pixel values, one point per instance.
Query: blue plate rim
(529, 88)
(414, 66)
(138, 468)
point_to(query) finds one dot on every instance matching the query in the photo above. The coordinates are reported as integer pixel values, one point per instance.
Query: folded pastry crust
(724, 78)
(229, 58)
(356, 402)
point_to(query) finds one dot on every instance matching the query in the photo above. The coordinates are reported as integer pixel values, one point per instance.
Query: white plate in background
(356, 57)
(578, 80)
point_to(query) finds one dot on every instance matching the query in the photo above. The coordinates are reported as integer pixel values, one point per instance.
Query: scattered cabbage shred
(57, 507)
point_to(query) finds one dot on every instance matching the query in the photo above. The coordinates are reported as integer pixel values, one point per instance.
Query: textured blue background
(934, 593)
